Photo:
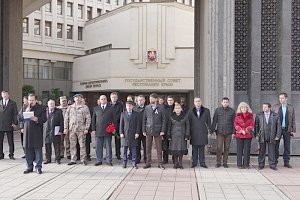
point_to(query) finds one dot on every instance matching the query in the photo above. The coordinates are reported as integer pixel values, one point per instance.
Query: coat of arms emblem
(151, 56)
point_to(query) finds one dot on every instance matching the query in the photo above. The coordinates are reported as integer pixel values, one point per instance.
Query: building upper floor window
(80, 11)
(48, 28)
(107, 1)
(99, 1)
(37, 27)
(80, 33)
(45, 69)
(117, 2)
(59, 30)
(89, 13)
(69, 32)
(59, 7)
(70, 9)
(48, 7)
(25, 25)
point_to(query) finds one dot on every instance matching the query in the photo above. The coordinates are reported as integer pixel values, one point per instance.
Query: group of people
(135, 125)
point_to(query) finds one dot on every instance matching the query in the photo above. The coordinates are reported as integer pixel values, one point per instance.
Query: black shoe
(287, 165)
(27, 171)
(39, 171)
(225, 165)
(147, 166)
(124, 166)
(161, 166)
(110, 164)
(98, 163)
(84, 163)
(58, 162)
(24, 156)
(47, 161)
(260, 167)
(203, 165)
(138, 162)
(69, 157)
(174, 166)
(274, 168)
(193, 166)
(218, 165)
(61, 157)
(12, 157)
(119, 157)
(72, 163)
(89, 159)
(180, 167)
(135, 166)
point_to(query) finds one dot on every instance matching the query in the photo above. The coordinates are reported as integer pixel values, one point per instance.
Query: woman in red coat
(243, 123)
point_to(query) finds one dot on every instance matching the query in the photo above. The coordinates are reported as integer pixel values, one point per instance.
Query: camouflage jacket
(77, 118)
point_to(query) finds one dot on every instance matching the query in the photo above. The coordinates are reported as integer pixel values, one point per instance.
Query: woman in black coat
(53, 129)
(178, 134)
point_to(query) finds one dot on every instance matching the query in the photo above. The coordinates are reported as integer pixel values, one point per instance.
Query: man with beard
(33, 134)
(154, 127)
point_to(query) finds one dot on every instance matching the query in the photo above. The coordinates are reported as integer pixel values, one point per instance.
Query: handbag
(111, 128)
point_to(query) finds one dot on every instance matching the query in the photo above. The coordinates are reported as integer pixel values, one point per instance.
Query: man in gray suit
(8, 122)
(102, 117)
(154, 126)
(129, 132)
(267, 131)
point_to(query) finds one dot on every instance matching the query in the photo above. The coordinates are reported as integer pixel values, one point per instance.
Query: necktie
(103, 107)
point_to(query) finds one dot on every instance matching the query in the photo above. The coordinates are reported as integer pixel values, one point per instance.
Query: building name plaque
(93, 84)
(152, 82)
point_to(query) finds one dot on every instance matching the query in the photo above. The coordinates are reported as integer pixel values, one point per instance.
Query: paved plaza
(115, 183)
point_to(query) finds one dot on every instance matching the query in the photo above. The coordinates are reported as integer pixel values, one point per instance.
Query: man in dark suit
(102, 117)
(140, 108)
(8, 121)
(129, 132)
(200, 123)
(288, 127)
(154, 126)
(33, 134)
(118, 108)
(267, 130)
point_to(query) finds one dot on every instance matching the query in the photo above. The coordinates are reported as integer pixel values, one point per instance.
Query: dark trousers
(177, 160)
(165, 146)
(287, 146)
(118, 146)
(157, 140)
(198, 153)
(34, 154)
(57, 149)
(133, 154)
(142, 141)
(243, 152)
(223, 140)
(10, 139)
(99, 149)
(22, 141)
(262, 154)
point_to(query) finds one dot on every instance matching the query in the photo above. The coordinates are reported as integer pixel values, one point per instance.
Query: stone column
(217, 51)
(254, 86)
(11, 67)
(284, 61)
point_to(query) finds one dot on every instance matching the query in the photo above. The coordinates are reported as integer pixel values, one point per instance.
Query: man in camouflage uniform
(77, 123)
(65, 139)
